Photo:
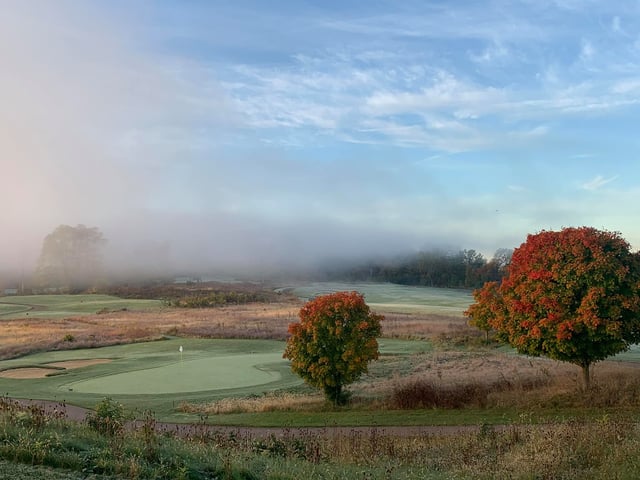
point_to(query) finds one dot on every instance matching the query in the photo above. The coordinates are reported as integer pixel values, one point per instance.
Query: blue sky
(252, 132)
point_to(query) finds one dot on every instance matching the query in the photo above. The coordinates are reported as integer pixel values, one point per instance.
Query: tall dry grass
(23, 336)
(256, 321)
(507, 381)
(270, 402)
(602, 449)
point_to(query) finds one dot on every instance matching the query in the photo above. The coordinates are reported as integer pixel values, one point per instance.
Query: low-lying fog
(119, 116)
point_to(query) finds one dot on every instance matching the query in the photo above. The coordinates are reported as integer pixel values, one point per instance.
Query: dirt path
(79, 414)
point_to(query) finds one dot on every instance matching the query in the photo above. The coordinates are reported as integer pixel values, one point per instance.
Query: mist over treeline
(437, 267)
(73, 259)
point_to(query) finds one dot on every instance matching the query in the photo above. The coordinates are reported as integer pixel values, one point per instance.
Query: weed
(108, 418)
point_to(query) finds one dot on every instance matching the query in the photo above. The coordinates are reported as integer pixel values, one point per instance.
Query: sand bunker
(35, 372)
(31, 372)
(80, 363)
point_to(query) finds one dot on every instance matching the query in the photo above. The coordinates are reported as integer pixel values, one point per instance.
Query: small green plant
(69, 338)
(108, 418)
(149, 436)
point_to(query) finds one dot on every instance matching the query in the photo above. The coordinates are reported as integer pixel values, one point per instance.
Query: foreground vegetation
(601, 449)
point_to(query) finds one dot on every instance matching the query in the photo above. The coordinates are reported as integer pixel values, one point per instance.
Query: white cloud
(445, 93)
(598, 182)
(627, 86)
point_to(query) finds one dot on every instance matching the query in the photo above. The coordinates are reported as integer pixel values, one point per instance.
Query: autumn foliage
(333, 342)
(488, 305)
(572, 295)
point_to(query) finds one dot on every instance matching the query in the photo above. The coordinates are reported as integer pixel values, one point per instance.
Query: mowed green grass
(388, 297)
(57, 306)
(155, 375)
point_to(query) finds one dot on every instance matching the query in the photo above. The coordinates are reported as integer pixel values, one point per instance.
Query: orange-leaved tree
(333, 342)
(571, 295)
(488, 305)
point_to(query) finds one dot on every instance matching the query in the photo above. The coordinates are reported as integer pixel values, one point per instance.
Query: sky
(210, 134)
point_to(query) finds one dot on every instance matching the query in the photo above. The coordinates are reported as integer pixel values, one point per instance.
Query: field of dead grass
(22, 336)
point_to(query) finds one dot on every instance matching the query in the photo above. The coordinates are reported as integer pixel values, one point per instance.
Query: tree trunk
(586, 377)
(334, 394)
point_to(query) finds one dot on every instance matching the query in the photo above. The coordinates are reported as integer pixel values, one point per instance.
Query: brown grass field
(268, 321)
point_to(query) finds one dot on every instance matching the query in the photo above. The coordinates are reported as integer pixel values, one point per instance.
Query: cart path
(79, 414)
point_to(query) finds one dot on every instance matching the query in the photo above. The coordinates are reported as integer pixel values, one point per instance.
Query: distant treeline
(435, 268)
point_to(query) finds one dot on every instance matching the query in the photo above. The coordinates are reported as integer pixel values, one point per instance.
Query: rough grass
(269, 402)
(603, 449)
(265, 321)
(256, 321)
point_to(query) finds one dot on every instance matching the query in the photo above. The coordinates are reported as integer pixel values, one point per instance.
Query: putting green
(157, 376)
(213, 373)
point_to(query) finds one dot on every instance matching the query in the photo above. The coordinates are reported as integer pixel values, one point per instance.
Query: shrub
(108, 418)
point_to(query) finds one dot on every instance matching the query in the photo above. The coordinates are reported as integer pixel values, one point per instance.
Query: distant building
(10, 291)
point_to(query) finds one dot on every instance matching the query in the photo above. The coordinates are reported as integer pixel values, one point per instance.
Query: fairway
(58, 306)
(389, 297)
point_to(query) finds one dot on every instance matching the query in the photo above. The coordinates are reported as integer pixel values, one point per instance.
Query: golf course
(206, 369)
(160, 374)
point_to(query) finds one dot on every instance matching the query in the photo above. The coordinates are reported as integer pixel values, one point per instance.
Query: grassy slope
(58, 306)
(388, 297)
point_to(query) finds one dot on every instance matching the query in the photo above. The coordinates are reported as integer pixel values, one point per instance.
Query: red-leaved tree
(571, 295)
(333, 342)
(488, 305)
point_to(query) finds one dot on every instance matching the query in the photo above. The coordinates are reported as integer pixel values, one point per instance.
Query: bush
(109, 417)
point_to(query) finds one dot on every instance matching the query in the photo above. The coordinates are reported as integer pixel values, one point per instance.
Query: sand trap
(35, 372)
(27, 372)
(80, 363)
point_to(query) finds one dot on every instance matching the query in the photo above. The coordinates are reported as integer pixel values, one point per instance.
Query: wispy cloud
(598, 182)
